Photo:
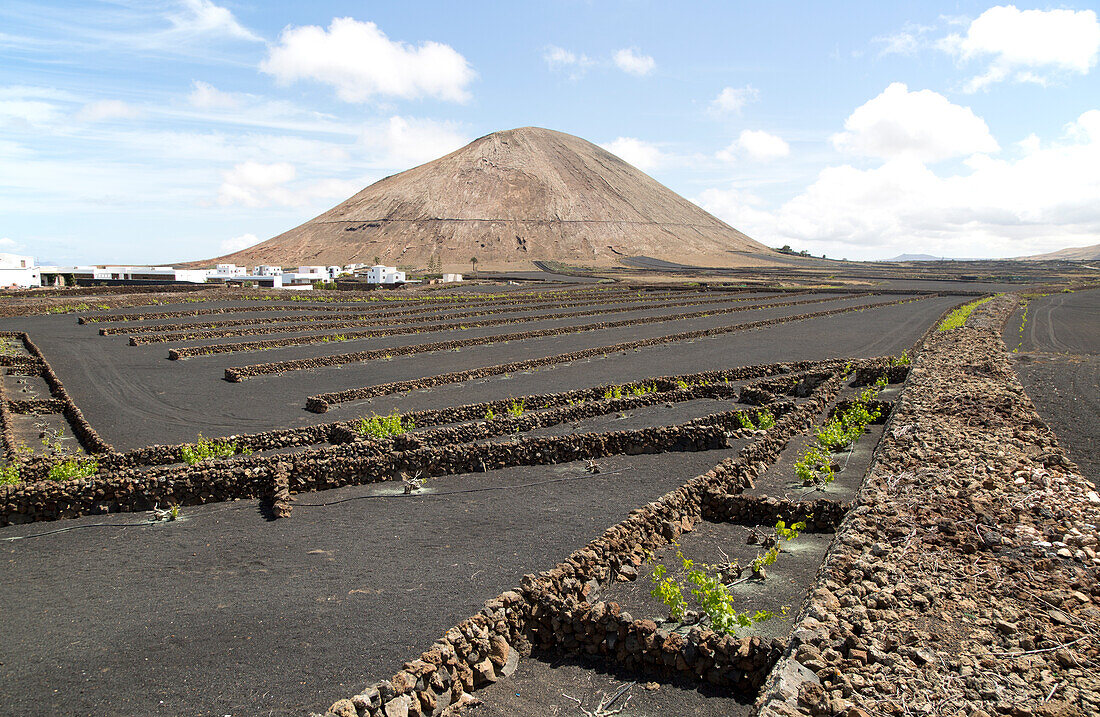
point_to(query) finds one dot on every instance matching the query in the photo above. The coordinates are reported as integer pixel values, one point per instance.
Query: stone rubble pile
(965, 581)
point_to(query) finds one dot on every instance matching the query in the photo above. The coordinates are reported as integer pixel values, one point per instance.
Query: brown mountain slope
(509, 198)
(1073, 253)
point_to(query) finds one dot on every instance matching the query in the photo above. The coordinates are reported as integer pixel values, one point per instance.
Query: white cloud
(8, 243)
(643, 155)
(205, 96)
(731, 100)
(107, 110)
(402, 142)
(228, 246)
(908, 41)
(255, 184)
(558, 57)
(202, 17)
(1027, 45)
(922, 124)
(1042, 199)
(632, 61)
(27, 113)
(757, 145)
(360, 62)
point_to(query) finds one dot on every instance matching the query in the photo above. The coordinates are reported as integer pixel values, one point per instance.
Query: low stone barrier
(550, 610)
(320, 403)
(821, 515)
(89, 439)
(210, 349)
(342, 465)
(968, 574)
(161, 333)
(321, 307)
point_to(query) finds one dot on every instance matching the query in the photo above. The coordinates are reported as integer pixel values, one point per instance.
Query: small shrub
(515, 409)
(765, 419)
(206, 449)
(613, 392)
(815, 467)
(384, 426)
(959, 316)
(668, 592)
(902, 360)
(490, 414)
(9, 475)
(73, 468)
(745, 422)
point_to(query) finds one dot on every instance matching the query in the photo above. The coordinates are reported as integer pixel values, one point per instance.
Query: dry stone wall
(966, 579)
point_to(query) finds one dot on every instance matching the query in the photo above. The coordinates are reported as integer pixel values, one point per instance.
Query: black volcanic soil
(540, 684)
(134, 396)
(225, 613)
(1057, 358)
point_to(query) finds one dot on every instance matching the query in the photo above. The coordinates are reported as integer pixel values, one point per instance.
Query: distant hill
(510, 198)
(929, 257)
(1077, 253)
(915, 257)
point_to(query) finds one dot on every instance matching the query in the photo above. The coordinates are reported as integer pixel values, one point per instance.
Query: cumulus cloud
(8, 243)
(731, 100)
(402, 142)
(757, 145)
(228, 246)
(202, 17)
(1041, 199)
(643, 155)
(1027, 45)
(631, 61)
(924, 125)
(361, 63)
(207, 97)
(107, 110)
(255, 184)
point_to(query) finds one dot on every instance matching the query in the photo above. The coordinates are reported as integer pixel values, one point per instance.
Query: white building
(267, 270)
(380, 274)
(450, 278)
(150, 273)
(333, 272)
(227, 270)
(17, 270)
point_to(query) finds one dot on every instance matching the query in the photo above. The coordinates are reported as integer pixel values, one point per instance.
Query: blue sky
(160, 131)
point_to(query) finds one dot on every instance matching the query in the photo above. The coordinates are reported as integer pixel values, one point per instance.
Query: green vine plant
(72, 469)
(902, 360)
(384, 426)
(815, 466)
(515, 409)
(9, 475)
(710, 588)
(490, 414)
(207, 449)
(773, 546)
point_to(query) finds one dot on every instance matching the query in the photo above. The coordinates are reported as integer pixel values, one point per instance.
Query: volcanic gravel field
(1057, 357)
(301, 599)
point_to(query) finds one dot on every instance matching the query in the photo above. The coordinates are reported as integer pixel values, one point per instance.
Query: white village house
(18, 270)
(379, 274)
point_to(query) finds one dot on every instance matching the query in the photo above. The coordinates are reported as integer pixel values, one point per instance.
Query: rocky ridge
(965, 581)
